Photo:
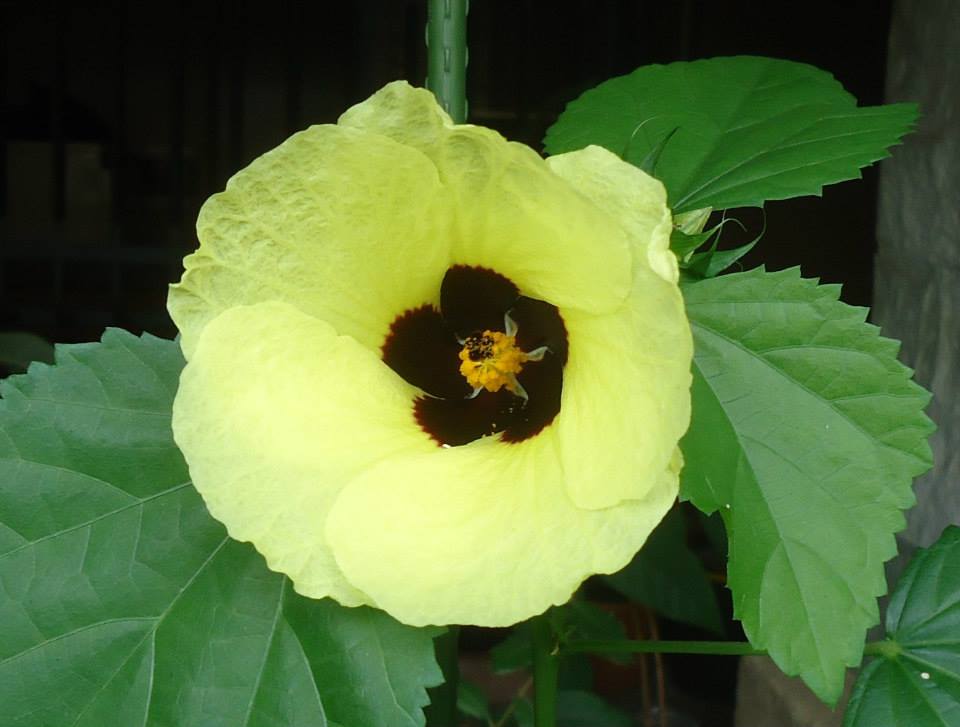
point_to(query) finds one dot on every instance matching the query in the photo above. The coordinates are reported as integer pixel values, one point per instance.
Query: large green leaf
(575, 708)
(806, 435)
(744, 129)
(579, 708)
(472, 701)
(668, 577)
(122, 602)
(916, 680)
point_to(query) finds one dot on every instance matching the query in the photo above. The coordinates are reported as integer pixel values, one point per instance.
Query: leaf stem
(719, 648)
(886, 648)
(521, 693)
(545, 666)
(447, 55)
(628, 646)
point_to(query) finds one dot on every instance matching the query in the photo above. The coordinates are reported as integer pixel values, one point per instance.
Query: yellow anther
(491, 361)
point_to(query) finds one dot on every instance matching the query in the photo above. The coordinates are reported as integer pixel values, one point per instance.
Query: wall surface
(917, 278)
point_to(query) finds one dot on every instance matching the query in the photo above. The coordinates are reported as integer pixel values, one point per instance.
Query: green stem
(887, 648)
(718, 648)
(447, 55)
(735, 648)
(511, 708)
(545, 665)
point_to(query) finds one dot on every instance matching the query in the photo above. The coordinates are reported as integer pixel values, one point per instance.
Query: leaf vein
(784, 375)
(782, 147)
(88, 523)
(266, 653)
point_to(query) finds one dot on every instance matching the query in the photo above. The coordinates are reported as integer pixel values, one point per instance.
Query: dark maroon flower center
(424, 344)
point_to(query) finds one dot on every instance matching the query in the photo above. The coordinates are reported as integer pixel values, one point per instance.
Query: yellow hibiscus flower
(428, 370)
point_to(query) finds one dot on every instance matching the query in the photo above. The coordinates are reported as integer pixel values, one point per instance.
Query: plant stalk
(545, 666)
(447, 55)
(625, 646)
(718, 648)
(886, 648)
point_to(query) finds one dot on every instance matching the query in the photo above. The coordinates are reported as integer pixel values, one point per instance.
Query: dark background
(120, 118)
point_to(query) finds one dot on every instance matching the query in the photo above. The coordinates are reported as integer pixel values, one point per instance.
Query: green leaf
(712, 262)
(576, 708)
(916, 681)
(369, 670)
(513, 653)
(523, 714)
(683, 244)
(650, 161)
(575, 672)
(472, 701)
(585, 620)
(748, 129)
(124, 603)
(806, 434)
(667, 576)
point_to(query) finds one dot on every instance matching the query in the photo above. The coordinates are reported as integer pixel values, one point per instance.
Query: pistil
(491, 360)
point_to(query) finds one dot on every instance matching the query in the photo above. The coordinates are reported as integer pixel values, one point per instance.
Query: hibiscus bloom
(428, 370)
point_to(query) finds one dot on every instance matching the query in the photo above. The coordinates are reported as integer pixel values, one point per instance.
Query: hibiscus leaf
(712, 262)
(513, 653)
(579, 708)
(744, 129)
(123, 602)
(472, 702)
(916, 679)
(668, 577)
(806, 435)
(523, 713)
(683, 244)
(575, 708)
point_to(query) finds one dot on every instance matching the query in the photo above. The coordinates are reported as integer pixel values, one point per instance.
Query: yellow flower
(428, 370)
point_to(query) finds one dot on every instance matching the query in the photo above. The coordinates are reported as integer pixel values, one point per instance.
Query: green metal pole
(447, 55)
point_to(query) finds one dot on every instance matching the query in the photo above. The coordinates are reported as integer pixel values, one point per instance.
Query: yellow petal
(345, 225)
(625, 193)
(626, 387)
(407, 114)
(481, 534)
(275, 414)
(512, 214)
(626, 394)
